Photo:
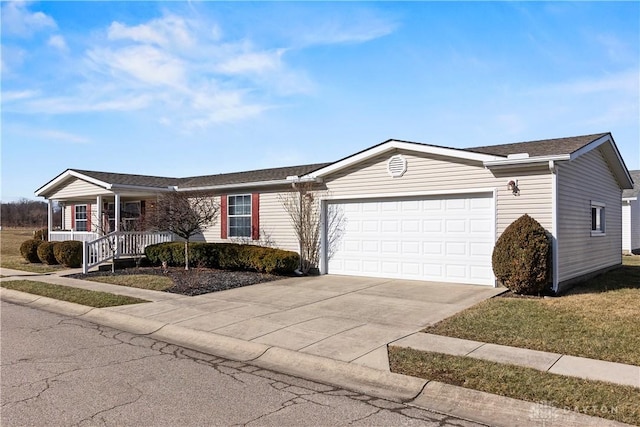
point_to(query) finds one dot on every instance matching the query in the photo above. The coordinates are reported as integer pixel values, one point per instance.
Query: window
(81, 218)
(130, 215)
(597, 219)
(239, 214)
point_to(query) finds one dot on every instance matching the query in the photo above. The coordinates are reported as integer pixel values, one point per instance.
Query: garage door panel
(442, 239)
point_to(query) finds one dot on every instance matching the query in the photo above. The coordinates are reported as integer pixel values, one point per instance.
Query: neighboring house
(631, 216)
(411, 210)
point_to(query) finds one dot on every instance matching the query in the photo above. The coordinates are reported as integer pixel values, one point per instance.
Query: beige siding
(77, 188)
(275, 225)
(581, 181)
(430, 174)
(68, 216)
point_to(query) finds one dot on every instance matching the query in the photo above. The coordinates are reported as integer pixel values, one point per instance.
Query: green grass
(598, 319)
(596, 398)
(67, 293)
(141, 281)
(10, 241)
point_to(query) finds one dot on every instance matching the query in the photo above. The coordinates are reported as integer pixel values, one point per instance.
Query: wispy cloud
(185, 70)
(49, 135)
(18, 20)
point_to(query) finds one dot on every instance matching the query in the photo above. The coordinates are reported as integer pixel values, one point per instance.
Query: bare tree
(303, 207)
(185, 215)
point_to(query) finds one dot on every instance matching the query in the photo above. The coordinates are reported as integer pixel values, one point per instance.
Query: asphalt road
(56, 370)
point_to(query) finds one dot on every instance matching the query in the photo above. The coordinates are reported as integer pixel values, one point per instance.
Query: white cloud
(17, 20)
(50, 135)
(10, 96)
(58, 42)
(252, 62)
(168, 31)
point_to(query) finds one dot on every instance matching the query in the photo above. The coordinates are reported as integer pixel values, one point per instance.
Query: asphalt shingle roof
(547, 147)
(635, 191)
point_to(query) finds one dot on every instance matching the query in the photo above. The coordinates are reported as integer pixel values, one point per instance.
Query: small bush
(29, 250)
(45, 253)
(521, 257)
(68, 253)
(42, 234)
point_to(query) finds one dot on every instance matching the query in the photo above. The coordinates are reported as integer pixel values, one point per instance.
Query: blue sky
(193, 88)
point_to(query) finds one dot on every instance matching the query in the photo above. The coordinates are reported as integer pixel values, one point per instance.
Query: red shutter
(223, 216)
(88, 216)
(255, 216)
(73, 217)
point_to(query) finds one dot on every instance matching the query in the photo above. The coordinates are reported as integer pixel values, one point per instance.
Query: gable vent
(397, 166)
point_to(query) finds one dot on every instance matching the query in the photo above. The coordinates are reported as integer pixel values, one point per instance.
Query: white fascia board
(526, 161)
(139, 188)
(401, 145)
(66, 174)
(629, 199)
(237, 186)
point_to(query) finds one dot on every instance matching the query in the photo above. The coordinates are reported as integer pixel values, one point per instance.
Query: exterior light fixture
(513, 187)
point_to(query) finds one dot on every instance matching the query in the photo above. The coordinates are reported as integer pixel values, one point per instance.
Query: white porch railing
(116, 244)
(83, 236)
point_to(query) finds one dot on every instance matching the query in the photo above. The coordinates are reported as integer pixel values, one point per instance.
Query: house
(631, 216)
(410, 210)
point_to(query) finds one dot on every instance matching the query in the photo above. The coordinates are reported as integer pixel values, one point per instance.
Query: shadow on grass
(625, 277)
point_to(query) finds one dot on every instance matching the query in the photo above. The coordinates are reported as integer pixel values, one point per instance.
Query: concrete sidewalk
(174, 318)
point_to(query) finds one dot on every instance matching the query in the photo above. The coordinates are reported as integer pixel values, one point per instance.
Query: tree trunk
(186, 254)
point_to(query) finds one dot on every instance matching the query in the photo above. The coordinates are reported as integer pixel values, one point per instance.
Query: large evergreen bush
(68, 253)
(521, 257)
(29, 250)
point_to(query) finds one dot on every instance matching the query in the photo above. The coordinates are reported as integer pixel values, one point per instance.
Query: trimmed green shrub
(29, 250)
(521, 257)
(45, 253)
(226, 256)
(68, 253)
(42, 234)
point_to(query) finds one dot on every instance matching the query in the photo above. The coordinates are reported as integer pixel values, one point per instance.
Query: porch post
(99, 221)
(49, 218)
(117, 227)
(117, 212)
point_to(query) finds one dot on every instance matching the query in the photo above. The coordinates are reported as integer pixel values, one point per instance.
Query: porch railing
(83, 236)
(116, 244)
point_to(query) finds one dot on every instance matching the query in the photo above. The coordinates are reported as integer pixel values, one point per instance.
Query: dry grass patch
(597, 398)
(70, 294)
(599, 319)
(10, 241)
(141, 281)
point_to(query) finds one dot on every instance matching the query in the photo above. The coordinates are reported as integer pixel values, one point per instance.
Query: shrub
(68, 253)
(227, 256)
(521, 257)
(29, 250)
(45, 253)
(41, 234)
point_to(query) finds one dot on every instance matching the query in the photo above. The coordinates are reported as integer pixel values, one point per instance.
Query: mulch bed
(196, 281)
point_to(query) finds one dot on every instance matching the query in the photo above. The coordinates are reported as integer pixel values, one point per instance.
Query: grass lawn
(599, 319)
(10, 241)
(142, 281)
(66, 293)
(596, 398)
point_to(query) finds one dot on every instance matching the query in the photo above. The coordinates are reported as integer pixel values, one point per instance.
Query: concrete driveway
(351, 319)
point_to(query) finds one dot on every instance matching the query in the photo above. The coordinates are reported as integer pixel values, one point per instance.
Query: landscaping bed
(196, 281)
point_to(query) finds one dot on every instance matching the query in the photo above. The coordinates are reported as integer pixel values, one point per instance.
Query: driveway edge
(431, 395)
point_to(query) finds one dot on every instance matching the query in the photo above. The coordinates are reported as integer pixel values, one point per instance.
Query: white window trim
(85, 220)
(603, 218)
(229, 216)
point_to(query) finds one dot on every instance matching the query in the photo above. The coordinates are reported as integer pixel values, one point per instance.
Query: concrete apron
(350, 319)
(442, 398)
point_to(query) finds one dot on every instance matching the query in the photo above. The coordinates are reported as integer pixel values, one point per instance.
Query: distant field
(10, 241)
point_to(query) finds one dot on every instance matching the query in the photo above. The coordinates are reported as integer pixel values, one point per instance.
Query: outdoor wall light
(513, 187)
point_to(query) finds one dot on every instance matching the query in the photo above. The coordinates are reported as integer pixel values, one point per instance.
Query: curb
(431, 395)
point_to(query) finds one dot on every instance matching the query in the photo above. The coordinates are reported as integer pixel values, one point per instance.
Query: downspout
(554, 225)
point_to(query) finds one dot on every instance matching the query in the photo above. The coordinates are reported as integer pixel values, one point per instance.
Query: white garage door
(447, 239)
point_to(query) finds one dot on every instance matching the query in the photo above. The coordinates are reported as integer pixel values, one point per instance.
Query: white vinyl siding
(428, 174)
(631, 225)
(77, 188)
(580, 182)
